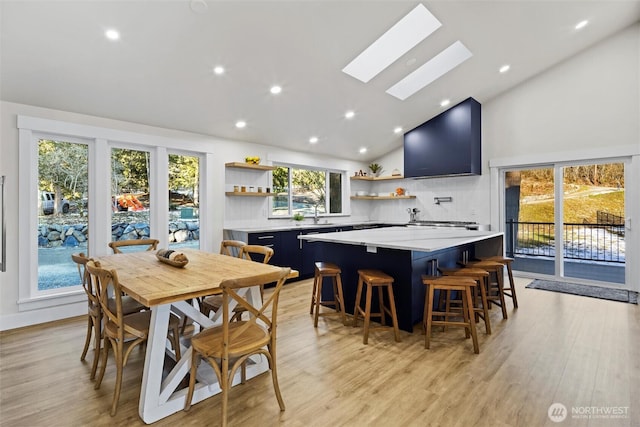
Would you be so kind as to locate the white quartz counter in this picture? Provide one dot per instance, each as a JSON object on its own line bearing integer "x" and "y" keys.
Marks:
{"x": 301, "y": 226}
{"x": 425, "y": 239}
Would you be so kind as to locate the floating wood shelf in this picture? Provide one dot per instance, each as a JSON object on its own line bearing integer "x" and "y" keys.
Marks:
{"x": 249, "y": 166}
{"x": 247, "y": 194}
{"x": 377, "y": 178}
{"x": 381, "y": 197}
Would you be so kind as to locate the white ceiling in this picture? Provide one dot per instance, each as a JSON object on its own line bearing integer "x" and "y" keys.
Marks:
{"x": 54, "y": 54}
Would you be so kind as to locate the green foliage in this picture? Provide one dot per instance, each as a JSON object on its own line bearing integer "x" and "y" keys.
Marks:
{"x": 62, "y": 168}
{"x": 297, "y": 216}
{"x": 306, "y": 181}
{"x": 375, "y": 167}
{"x": 184, "y": 174}
{"x": 280, "y": 179}
{"x": 129, "y": 171}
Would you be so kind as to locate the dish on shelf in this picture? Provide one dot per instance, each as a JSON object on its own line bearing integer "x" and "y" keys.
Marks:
{"x": 361, "y": 193}
{"x": 373, "y": 194}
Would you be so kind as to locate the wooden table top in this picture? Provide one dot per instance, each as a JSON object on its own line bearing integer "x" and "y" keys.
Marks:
{"x": 152, "y": 282}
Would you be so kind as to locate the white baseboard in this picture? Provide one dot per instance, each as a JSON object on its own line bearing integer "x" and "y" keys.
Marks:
{"x": 43, "y": 315}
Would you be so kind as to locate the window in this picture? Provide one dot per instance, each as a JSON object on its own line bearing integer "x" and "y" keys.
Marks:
{"x": 184, "y": 201}
{"x": 71, "y": 200}
{"x": 62, "y": 213}
{"x": 304, "y": 191}
{"x": 130, "y": 195}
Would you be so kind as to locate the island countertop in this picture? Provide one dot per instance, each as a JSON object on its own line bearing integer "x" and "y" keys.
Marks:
{"x": 424, "y": 239}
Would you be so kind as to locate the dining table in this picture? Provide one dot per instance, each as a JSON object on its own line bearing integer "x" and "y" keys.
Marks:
{"x": 168, "y": 289}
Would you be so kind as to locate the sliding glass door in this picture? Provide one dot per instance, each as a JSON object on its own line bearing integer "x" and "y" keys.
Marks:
{"x": 593, "y": 222}
{"x": 530, "y": 225}
{"x": 567, "y": 220}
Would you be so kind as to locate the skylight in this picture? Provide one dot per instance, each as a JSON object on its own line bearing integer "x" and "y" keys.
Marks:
{"x": 440, "y": 64}
{"x": 398, "y": 40}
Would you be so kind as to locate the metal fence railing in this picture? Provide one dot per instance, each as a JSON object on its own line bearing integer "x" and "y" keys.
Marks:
{"x": 589, "y": 242}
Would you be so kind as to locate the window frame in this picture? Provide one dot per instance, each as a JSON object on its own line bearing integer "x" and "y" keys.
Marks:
{"x": 327, "y": 189}
{"x": 100, "y": 141}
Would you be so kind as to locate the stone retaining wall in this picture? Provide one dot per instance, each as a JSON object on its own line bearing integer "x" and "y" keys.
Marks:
{"x": 72, "y": 235}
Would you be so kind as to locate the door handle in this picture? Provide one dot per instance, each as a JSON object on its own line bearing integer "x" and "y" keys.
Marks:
{"x": 3, "y": 243}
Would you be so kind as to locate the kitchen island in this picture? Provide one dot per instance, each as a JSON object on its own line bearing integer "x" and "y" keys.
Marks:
{"x": 406, "y": 253}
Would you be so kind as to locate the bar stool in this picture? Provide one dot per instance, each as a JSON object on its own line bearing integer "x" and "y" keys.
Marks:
{"x": 495, "y": 291}
{"x": 506, "y": 261}
{"x": 380, "y": 280}
{"x": 481, "y": 308}
{"x": 322, "y": 270}
{"x": 447, "y": 284}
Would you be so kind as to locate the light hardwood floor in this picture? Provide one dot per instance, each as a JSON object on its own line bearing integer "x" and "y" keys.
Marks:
{"x": 577, "y": 351}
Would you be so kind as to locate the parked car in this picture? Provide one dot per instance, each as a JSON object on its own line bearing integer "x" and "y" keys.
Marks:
{"x": 48, "y": 203}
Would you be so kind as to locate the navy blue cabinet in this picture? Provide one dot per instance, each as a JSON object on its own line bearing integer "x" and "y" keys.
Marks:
{"x": 289, "y": 251}
{"x": 448, "y": 144}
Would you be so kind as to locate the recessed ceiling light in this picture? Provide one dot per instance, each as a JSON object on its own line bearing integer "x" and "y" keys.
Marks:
{"x": 241, "y": 124}
{"x": 445, "y": 102}
{"x": 504, "y": 68}
{"x": 313, "y": 139}
{"x": 218, "y": 69}
{"x": 198, "y": 6}
{"x": 581, "y": 24}
{"x": 275, "y": 90}
{"x": 363, "y": 150}
{"x": 397, "y": 129}
{"x": 112, "y": 34}
{"x": 437, "y": 66}
{"x": 398, "y": 40}
{"x": 349, "y": 114}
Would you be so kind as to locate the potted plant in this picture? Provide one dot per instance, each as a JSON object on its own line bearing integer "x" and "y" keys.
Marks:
{"x": 376, "y": 169}
{"x": 298, "y": 217}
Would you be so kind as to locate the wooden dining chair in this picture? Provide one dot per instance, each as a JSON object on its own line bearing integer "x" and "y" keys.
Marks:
{"x": 94, "y": 314}
{"x": 121, "y": 332}
{"x": 235, "y": 342}
{"x": 231, "y": 247}
{"x": 151, "y": 244}
{"x": 255, "y": 253}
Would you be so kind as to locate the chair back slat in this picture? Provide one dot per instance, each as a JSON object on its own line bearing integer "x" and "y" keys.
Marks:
{"x": 229, "y": 293}
{"x": 106, "y": 284}
{"x": 232, "y": 247}
{"x": 254, "y": 252}
{"x": 151, "y": 244}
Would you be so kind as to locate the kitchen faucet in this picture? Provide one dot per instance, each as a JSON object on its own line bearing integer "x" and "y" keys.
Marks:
{"x": 315, "y": 215}
{"x": 412, "y": 214}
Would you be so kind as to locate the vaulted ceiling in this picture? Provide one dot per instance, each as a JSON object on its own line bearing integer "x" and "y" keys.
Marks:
{"x": 159, "y": 72}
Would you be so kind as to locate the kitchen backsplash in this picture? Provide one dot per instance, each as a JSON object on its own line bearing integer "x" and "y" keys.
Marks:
{"x": 470, "y": 201}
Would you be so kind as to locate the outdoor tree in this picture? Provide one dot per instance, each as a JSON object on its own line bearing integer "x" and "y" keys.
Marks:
{"x": 183, "y": 174}
{"x": 62, "y": 168}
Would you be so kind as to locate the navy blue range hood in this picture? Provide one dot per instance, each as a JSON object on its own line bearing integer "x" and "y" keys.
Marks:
{"x": 448, "y": 144}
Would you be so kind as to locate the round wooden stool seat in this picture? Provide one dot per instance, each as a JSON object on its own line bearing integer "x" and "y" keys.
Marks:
{"x": 495, "y": 290}
{"x": 506, "y": 261}
{"x": 322, "y": 270}
{"x": 450, "y": 283}
{"x": 380, "y": 280}
{"x": 481, "y": 308}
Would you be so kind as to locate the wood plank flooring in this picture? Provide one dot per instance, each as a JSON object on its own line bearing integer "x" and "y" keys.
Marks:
{"x": 578, "y": 351}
